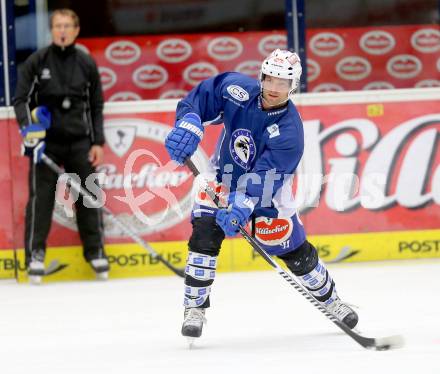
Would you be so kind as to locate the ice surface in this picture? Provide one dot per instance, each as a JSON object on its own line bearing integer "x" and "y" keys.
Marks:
{"x": 257, "y": 324}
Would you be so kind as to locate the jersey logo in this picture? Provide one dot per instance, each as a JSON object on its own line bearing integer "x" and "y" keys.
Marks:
{"x": 45, "y": 74}
{"x": 273, "y": 131}
{"x": 273, "y": 231}
{"x": 242, "y": 147}
{"x": 238, "y": 93}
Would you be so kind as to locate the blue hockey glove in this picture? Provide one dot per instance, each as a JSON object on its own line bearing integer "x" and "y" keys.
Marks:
{"x": 183, "y": 140}
{"x": 41, "y": 115}
{"x": 236, "y": 215}
{"x": 33, "y": 135}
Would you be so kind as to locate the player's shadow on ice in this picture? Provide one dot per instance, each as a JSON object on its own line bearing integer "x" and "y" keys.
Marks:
{"x": 290, "y": 342}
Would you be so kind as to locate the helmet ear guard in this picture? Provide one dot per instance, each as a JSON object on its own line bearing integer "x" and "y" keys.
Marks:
{"x": 283, "y": 64}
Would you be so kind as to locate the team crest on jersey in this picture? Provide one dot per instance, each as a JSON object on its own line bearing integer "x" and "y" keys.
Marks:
{"x": 242, "y": 147}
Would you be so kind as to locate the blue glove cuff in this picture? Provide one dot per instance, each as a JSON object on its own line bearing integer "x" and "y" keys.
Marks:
{"x": 33, "y": 127}
{"x": 192, "y": 123}
{"x": 193, "y": 118}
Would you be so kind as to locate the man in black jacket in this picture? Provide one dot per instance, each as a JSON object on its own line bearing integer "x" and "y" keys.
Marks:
{"x": 66, "y": 81}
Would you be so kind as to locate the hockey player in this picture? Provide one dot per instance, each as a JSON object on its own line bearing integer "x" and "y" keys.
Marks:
{"x": 263, "y": 132}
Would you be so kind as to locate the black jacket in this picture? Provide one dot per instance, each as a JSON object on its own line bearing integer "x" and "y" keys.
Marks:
{"x": 50, "y": 75}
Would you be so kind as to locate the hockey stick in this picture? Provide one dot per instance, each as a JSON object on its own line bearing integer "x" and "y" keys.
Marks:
{"x": 78, "y": 188}
{"x": 379, "y": 344}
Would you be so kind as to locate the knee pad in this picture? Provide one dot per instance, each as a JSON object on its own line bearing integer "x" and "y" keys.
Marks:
{"x": 311, "y": 271}
{"x": 302, "y": 260}
{"x": 207, "y": 236}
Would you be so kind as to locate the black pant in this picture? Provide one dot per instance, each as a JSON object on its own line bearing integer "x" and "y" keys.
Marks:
{"x": 42, "y": 186}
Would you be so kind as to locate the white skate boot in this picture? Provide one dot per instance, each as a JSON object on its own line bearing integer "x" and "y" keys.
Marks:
{"x": 193, "y": 323}
{"x": 343, "y": 312}
{"x": 36, "y": 269}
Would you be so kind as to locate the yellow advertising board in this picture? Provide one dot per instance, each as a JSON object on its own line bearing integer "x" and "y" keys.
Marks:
{"x": 131, "y": 260}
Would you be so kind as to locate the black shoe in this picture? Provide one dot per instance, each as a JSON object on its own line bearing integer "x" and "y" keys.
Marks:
{"x": 36, "y": 269}
{"x": 99, "y": 262}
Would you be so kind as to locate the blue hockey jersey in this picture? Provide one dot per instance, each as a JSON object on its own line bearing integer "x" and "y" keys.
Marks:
{"x": 255, "y": 143}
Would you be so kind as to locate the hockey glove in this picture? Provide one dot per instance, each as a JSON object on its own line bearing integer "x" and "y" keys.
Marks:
{"x": 183, "y": 140}
{"x": 236, "y": 215}
{"x": 33, "y": 135}
{"x": 41, "y": 115}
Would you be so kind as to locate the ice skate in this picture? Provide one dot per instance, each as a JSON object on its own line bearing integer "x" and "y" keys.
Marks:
{"x": 343, "y": 312}
{"x": 193, "y": 324}
{"x": 36, "y": 269}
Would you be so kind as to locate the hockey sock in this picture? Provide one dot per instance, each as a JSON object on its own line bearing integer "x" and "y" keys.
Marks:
{"x": 305, "y": 263}
{"x": 199, "y": 275}
{"x": 320, "y": 284}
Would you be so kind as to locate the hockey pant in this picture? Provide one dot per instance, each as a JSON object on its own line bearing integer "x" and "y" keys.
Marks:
{"x": 42, "y": 187}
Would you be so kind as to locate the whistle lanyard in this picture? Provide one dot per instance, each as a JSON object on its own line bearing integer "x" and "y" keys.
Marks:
{"x": 66, "y": 103}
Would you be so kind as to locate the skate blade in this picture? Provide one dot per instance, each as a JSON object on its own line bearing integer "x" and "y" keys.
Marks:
{"x": 190, "y": 341}
{"x": 35, "y": 279}
{"x": 102, "y": 276}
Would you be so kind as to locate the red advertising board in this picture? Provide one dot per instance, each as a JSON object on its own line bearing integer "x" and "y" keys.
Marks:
{"x": 371, "y": 167}
{"x": 6, "y": 185}
{"x": 366, "y": 58}
{"x": 166, "y": 67}
{"x": 368, "y": 167}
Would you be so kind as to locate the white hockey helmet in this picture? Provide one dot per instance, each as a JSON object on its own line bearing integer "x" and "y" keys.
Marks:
{"x": 282, "y": 64}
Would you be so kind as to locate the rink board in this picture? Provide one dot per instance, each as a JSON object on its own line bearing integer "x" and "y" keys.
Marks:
{"x": 349, "y": 134}
{"x": 131, "y": 260}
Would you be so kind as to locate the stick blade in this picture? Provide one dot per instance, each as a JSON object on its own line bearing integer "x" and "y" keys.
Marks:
{"x": 389, "y": 342}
